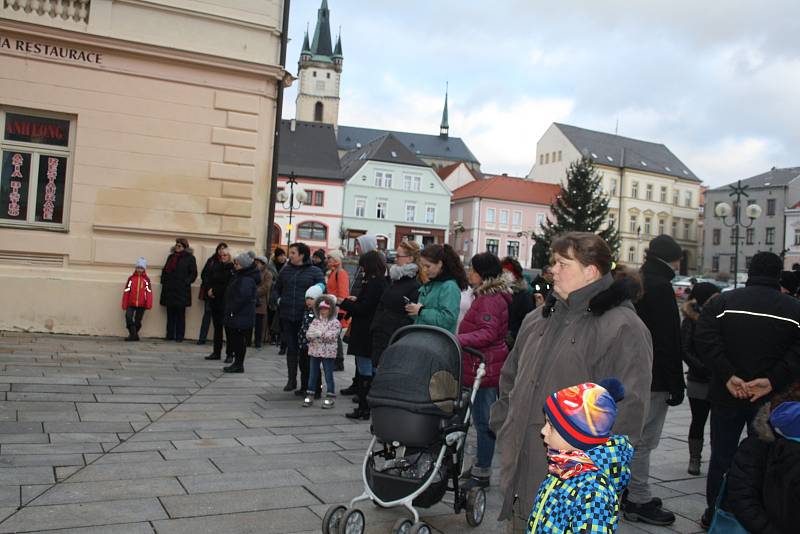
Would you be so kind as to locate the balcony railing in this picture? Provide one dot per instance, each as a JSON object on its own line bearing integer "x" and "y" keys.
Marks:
{"x": 69, "y": 14}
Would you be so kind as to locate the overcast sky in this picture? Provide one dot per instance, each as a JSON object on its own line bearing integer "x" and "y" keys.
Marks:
{"x": 715, "y": 81}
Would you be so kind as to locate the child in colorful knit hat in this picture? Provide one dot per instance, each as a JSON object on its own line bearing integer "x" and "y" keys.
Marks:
{"x": 588, "y": 467}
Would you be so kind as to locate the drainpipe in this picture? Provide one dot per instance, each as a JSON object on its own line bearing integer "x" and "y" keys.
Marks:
{"x": 273, "y": 190}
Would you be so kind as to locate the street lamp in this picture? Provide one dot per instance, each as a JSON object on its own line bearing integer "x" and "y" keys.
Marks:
{"x": 288, "y": 200}
{"x": 723, "y": 210}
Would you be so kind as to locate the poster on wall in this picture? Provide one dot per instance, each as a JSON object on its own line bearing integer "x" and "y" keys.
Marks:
{"x": 50, "y": 189}
{"x": 40, "y": 130}
{"x": 14, "y": 180}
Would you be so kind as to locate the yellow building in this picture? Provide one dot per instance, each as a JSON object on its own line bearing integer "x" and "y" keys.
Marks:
{"x": 126, "y": 124}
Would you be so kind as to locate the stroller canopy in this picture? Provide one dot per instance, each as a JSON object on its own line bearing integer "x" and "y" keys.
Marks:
{"x": 420, "y": 372}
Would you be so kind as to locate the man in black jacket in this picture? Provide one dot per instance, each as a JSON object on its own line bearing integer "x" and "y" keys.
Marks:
{"x": 658, "y": 310}
{"x": 750, "y": 339}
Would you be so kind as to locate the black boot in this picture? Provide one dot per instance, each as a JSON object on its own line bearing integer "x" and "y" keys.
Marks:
{"x": 362, "y": 411}
{"x": 303, "y": 362}
{"x": 132, "y": 335}
{"x": 237, "y": 366}
{"x": 228, "y": 358}
{"x": 213, "y": 356}
{"x": 291, "y": 371}
{"x": 353, "y": 389}
{"x": 695, "y": 455}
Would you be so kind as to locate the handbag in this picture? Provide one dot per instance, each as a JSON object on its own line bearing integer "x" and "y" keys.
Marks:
{"x": 725, "y": 522}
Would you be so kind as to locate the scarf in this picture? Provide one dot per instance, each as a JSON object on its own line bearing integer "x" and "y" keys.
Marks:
{"x": 396, "y": 272}
{"x": 567, "y": 464}
{"x": 172, "y": 262}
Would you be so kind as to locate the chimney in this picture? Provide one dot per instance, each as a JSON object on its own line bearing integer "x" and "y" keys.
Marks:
{"x": 293, "y": 125}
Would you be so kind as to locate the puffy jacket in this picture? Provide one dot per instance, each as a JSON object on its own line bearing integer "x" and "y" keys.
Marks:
{"x": 323, "y": 334}
{"x": 485, "y": 328}
{"x": 441, "y": 298}
{"x": 391, "y": 315}
{"x": 751, "y": 332}
{"x": 588, "y": 502}
{"x": 763, "y": 480}
{"x": 176, "y": 286}
{"x": 308, "y": 318}
{"x": 137, "y": 293}
{"x": 290, "y": 289}
{"x": 362, "y": 312}
{"x": 217, "y": 280}
{"x": 698, "y": 372}
{"x": 659, "y": 311}
{"x": 240, "y": 298}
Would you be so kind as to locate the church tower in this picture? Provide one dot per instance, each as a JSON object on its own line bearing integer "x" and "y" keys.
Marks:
{"x": 320, "y": 72}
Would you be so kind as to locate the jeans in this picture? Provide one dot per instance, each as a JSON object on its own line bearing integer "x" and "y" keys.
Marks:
{"x": 206, "y": 322}
{"x": 364, "y": 366}
{"x": 289, "y": 331}
{"x": 176, "y": 322}
{"x": 726, "y": 430}
{"x": 313, "y": 375}
{"x": 639, "y": 487}
{"x": 133, "y": 317}
{"x": 217, "y": 317}
{"x": 480, "y": 418}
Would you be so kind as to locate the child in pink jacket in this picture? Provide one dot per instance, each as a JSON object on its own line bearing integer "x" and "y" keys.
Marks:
{"x": 323, "y": 341}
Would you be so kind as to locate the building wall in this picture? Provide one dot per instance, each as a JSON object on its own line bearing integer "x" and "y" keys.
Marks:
{"x": 460, "y": 176}
{"x": 329, "y": 214}
{"x": 792, "y": 238}
{"x": 166, "y": 140}
{"x": 554, "y": 153}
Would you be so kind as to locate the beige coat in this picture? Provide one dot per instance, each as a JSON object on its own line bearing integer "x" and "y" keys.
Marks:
{"x": 595, "y": 334}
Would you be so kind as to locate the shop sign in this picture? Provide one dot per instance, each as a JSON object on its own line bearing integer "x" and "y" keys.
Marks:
{"x": 40, "y": 130}
{"x": 14, "y": 185}
{"x": 49, "y": 50}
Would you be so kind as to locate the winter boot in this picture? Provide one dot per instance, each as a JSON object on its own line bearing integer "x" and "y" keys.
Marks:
{"x": 695, "y": 456}
{"x": 237, "y": 366}
{"x": 352, "y": 390}
{"x": 132, "y": 335}
{"x": 362, "y": 411}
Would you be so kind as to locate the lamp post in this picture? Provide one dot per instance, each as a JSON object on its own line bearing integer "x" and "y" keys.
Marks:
{"x": 723, "y": 210}
{"x": 288, "y": 200}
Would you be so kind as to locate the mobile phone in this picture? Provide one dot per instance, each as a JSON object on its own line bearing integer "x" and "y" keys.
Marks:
{"x": 406, "y": 300}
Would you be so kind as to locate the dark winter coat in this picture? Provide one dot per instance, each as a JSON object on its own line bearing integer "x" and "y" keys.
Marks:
{"x": 308, "y": 318}
{"x": 362, "y": 312}
{"x": 205, "y": 274}
{"x": 592, "y": 335}
{"x": 218, "y": 278}
{"x": 240, "y": 298}
{"x": 485, "y": 328}
{"x": 390, "y": 315}
{"x": 290, "y": 289}
{"x": 763, "y": 481}
{"x": 176, "y": 286}
{"x": 698, "y": 372}
{"x": 751, "y": 332}
{"x": 659, "y": 311}
{"x": 521, "y": 305}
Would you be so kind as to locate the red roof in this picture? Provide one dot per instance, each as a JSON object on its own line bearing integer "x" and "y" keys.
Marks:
{"x": 510, "y": 189}
{"x": 445, "y": 171}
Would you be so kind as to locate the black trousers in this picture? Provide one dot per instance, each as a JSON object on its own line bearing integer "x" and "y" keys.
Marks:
{"x": 258, "y": 332}
{"x": 176, "y": 322}
{"x": 217, "y": 317}
{"x": 289, "y": 332}
{"x": 133, "y": 317}
{"x": 700, "y": 410}
{"x": 727, "y": 424}
{"x": 237, "y": 344}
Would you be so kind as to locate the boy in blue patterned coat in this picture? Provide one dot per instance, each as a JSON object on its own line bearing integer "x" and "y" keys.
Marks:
{"x": 588, "y": 467}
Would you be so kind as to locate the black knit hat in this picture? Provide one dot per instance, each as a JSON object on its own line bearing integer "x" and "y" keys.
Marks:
{"x": 766, "y": 264}
{"x": 790, "y": 281}
{"x": 702, "y": 291}
{"x": 486, "y": 264}
{"x": 665, "y": 248}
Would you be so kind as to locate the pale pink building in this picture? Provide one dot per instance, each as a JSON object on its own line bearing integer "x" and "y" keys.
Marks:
{"x": 500, "y": 214}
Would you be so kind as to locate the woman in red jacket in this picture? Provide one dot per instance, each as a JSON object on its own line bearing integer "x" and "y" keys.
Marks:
{"x": 136, "y": 298}
{"x": 484, "y": 328}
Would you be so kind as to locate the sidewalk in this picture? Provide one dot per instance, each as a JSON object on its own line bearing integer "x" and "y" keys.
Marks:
{"x": 99, "y": 436}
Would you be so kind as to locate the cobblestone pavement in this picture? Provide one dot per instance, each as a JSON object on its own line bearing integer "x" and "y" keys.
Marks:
{"x": 102, "y": 436}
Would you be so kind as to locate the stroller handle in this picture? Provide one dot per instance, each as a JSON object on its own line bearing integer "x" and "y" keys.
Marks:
{"x": 478, "y": 354}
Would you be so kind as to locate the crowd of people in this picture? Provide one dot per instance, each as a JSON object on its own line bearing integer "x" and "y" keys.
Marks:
{"x": 599, "y": 347}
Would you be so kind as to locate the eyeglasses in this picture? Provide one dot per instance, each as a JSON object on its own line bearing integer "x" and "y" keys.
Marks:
{"x": 402, "y": 256}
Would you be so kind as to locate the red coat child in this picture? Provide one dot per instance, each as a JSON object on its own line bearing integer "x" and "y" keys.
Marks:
{"x": 138, "y": 292}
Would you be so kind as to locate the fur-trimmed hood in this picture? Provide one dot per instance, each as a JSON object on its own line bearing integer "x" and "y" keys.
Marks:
{"x": 691, "y": 310}
{"x": 761, "y": 424}
{"x": 331, "y": 300}
{"x": 493, "y": 286}
{"x": 617, "y": 294}
{"x": 187, "y": 250}
{"x": 516, "y": 285}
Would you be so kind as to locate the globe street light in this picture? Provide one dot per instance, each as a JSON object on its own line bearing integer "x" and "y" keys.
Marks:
{"x": 723, "y": 211}
{"x": 288, "y": 201}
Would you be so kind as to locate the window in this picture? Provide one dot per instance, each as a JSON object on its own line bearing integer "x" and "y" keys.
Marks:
{"x": 411, "y": 183}
{"x": 503, "y": 217}
{"x": 516, "y": 219}
{"x": 674, "y": 229}
{"x": 612, "y": 220}
{"x": 328, "y": 75}
{"x": 747, "y": 261}
{"x": 312, "y": 231}
{"x": 750, "y": 235}
{"x": 715, "y": 264}
{"x": 635, "y": 189}
{"x": 380, "y": 209}
{"x": 540, "y": 219}
{"x": 733, "y": 263}
{"x": 662, "y": 226}
{"x": 797, "y": 237}
{"x": 513, "y": 249}
{"x": 733, "y": 235}
{"x": 647, "y": 225}
{"x": 547, "y": 158}
{"x": 490, "y": 215}
{"x": 318, "y": 108}
{"x": 771, "y": 206}
{"x": 648, "y": 192}
{"x": 407, "y": 183}
{"x": 492, "y": 246}
{"x": 411, "y": 212}
{"x": 687, "y": 230}
{"x": 718, "y": 236}
{"x": 613, "y": 187}
{"x": 633, "y": 224}
{"x": 688, "y": 199}
{"x": 770, "y": 237}
{"x": 631, "y": 255}
{"x": 430, "y": 214}
{"x": 314, "y": 74}
{"x": 559, "y": 155}
{"x": 663, "y": 194}
{"x": 383, "y": 179}
{"x": 675, "y": 196}
{"x": 33, "y": 182}
{"x": 319, "y": 198}
{"x": 361, "y": 207}
{"x": 541, "y": 159}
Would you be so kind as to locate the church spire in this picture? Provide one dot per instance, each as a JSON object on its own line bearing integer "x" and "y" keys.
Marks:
{"x": 337, "y": 51}
{"x": 444, "y": 128}
{"x": 321, "y": 45}
{"x": 306, "y": 46}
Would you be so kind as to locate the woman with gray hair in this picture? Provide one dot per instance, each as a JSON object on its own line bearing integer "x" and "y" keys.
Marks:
{"x": 240, "y": 308}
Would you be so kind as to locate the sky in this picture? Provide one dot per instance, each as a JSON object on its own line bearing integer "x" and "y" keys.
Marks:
{"x": 715, "y": 81}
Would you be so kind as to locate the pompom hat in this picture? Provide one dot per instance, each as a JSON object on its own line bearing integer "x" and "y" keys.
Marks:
{"x": 584, "y": 414}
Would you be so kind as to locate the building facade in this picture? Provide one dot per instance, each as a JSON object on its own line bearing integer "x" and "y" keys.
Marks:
{"x": 393, "y": 195}
{"x": 777, "y": 192}
{"x": 121, "y": 131}
{"x": 458, "y": 174}
{"x": 500, "y": 214}
{"x": 651, "y": 191}
{"x": 791, "y": 242}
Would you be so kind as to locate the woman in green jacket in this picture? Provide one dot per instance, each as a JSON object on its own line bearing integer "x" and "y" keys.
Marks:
{"x": 440, "y": 295}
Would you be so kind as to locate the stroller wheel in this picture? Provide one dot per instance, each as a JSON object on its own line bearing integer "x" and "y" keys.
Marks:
{"x": 476, "y": 506}
{"x": 420, "y": 528}
{"x": 402, "y": 526}
{"x": 353, "y": 522}
{"x": 333, "y": 517}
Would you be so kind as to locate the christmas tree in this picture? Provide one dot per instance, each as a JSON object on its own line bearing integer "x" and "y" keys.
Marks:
{"x": 582, "y": 206}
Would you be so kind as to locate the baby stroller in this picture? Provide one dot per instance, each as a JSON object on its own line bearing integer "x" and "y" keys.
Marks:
{"x": 420, "y": 421}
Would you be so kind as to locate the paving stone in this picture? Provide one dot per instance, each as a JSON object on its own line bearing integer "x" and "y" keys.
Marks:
{"x": 22, "y": 460}
{"x": 150, "y": 399}
{"x": 269, "y": 440}
{"x": 84, "y": 426}
{"x": 241, "y": 481}
{"x": 331, "y": 472}
{"x": 214, "y": 452}
{"x": 137, "y": 446}
{"x": 63, "y": 473}
{"x": 33, "y": 518}
{"x": 30, "y": 492}
{"x": 234, "y": 433}
{"x": 124, "y": 457}
{"x": 126, "y": 528}
{"x": 58, "y": 388}
{"x": 267, "y": 522}
{"x": 27, "y": 475}
{"x": 52, "y": 448}
{"x": 277, "y": 461}
{"x": 31, "y": 415}
{"x": 20, "y": 428}
{"x": 9, "y": 496}
{"x": 76, "y": 492}
{"x": 63, "y": 397}
{"x": 149, "y": 435}
{"x": 295, "y": 448}
{"x": 24, "y": 438}
{"x": 83, "y": 437}
{"x": 207, "y": 443}
{"x": 237, "y": 501}
{"x": 123, "y": 471}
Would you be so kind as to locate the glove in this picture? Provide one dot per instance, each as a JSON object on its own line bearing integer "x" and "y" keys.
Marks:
{"x": 675, "y": 398}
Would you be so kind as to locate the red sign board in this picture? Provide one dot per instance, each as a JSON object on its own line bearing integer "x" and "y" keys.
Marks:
{"x": 40, "y": 130}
